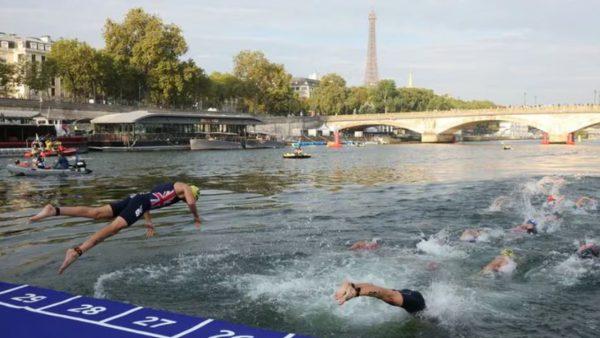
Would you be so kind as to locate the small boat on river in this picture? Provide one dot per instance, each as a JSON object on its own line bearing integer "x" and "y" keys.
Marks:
{"x": 296, "y": 156}
{"x": 24, "y": 169}
{"x": 46, "y": 153}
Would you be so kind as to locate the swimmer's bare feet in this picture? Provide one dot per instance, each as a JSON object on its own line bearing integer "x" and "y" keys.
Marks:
{"x": 345, "y": 293}
{"x": 47, "y": 211}
{"x": 70, "y": 257}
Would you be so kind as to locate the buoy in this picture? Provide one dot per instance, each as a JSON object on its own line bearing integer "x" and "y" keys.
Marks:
{"x": 336, "y": 140}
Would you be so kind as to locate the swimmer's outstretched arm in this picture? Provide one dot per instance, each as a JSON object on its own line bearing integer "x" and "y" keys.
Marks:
{"x": 149, "y": 226}
{"x": 582, "y": 200}
{"x": 349, "y": 290}
{"x": 191, "y": 202}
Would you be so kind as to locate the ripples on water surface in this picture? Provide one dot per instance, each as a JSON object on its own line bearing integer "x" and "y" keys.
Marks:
{"x": 273, "y": 247}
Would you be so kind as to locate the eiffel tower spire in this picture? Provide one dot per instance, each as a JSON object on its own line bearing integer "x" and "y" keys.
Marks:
{"x": 371, "y": 73}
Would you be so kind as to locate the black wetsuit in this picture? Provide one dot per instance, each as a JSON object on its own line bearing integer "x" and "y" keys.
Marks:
{"x": 133, "y": 207}
{"x": 413, "y": 301}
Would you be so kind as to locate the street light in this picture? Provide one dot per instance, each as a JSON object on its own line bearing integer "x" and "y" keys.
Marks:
{"x": 595, "y": 96}
{"x": 524, "y": 99}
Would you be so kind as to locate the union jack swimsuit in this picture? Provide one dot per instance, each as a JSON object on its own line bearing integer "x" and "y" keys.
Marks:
{"x": 163, "y": 195}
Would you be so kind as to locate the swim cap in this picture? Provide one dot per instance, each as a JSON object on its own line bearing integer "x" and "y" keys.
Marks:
{"x": 551, "y": 198}
{"x": 508, "y": 253}
{"x": 195, "y": 191}
{"x": 532, "y": 222}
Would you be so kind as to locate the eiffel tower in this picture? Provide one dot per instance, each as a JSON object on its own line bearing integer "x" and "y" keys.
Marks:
{"x": 371, "y": 74}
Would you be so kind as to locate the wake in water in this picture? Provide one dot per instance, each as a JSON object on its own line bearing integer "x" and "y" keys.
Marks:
{"x": 438, "y": 245}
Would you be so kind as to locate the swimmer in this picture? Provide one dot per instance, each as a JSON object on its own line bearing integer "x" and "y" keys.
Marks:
{"x": 124, "y": 213}
{"x": 501, "y": 264}
{"x": 529, "y": 227}
{"x": 409, "y": 300}
{"x": 471, "y": 235}
{"x": 588, "y": 250}
{"x": 366, "y": 245}
{"x": 584, "y": 200}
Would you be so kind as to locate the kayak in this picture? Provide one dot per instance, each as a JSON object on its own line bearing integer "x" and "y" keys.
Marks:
{"x": 65, "y": 152}
{"x": 292, "y": 155}
{"x": 20, "y": 170}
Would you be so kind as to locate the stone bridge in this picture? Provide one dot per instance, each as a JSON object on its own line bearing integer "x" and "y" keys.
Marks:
{"x": 558, "y": 122}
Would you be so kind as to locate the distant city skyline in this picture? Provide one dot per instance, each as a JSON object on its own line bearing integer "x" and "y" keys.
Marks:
{"x": 503, "y": 51}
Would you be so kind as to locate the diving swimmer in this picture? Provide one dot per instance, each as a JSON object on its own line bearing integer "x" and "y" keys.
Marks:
{"x": 125, "y": 213}
{"x": 588, "y": 250}
{"x": 409, "y": 300}
{"x": 504, "y": 263}
{"x": 529, "y": 227}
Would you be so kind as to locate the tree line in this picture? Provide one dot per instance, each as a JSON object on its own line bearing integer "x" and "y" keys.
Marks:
{"x": 141, "y": 63}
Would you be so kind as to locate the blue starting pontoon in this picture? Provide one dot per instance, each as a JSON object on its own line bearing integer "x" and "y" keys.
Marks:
{"x": 32, "y": 312}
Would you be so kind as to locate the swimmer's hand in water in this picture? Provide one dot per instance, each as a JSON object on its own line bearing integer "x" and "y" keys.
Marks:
{"x": 197, "y": 222}
{"x": 345, "y": 293}
{"x": 150, "y": 232}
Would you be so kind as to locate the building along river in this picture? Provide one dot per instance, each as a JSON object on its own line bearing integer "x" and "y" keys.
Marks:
{"x": 275, "y": 236}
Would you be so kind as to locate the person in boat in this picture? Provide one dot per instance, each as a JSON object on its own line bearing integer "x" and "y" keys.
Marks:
{"x": 472, "y": 235}
{"x": 504, "y": 263}
{"x": 298, "y": 151}
{"x": 38, "y": 161}
{"x": 410, "y": 300}
{"x": 588, "y": 250}
{"x": 366, "y": 245}
{"x": 529, "y": 227}
{"x": 61, "y": 162}
{"x": 124, "y": 213}
{"x": 48, "y": 144}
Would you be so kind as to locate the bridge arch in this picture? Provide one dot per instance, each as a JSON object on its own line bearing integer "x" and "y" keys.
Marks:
{"x": 340, "y": 126}
{"x": 585, "y": 124}
{"x": 451, "y": 126}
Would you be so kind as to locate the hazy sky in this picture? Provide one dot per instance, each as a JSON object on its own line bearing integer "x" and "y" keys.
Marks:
{"x": 472, "y": 49}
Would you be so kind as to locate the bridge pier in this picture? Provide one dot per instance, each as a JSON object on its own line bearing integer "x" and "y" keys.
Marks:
{"x": 437, "y": 138}
{"x": 560, "y": 138}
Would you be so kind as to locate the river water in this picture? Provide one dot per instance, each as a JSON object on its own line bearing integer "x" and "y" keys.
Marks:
{"x": 275, "y": 236}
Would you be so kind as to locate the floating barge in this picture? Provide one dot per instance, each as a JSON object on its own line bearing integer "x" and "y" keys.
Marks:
{"x": 32, "y": 312}
{"x": 145, "y": 130}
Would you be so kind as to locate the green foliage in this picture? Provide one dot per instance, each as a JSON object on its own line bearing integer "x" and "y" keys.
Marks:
{"x": 265, "y": 86}
{"x": 7, "y": 78}
{"x": 84, "y": 71}
{"x": 330, "y": 96}
{"x": 385, "y": 97}
{"x": 37, "y": 75}
{"x": 146, "y": 53}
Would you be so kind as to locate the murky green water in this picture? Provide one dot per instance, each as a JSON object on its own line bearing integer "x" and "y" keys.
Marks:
{"x": 275, "y": 237}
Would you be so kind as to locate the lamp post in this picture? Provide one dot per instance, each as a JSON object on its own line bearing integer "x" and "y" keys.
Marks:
{"x": 595, "y": 96}
{"x": 524, "y": 99}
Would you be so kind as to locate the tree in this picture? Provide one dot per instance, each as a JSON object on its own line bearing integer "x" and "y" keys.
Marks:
{"x": 385, "y": 96}
{"x": 224, "y": 90}
{"x": 85, "y": 72}
{"x": 330, "y": 96}
{"x": 7, "y": 78}
{"x": 357, "y": 98}
{"x": 177, "y": 83}
{"x": 266, "y": 85}
{"x": 150, "y": 47}
{"x": 37, "y": 75}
